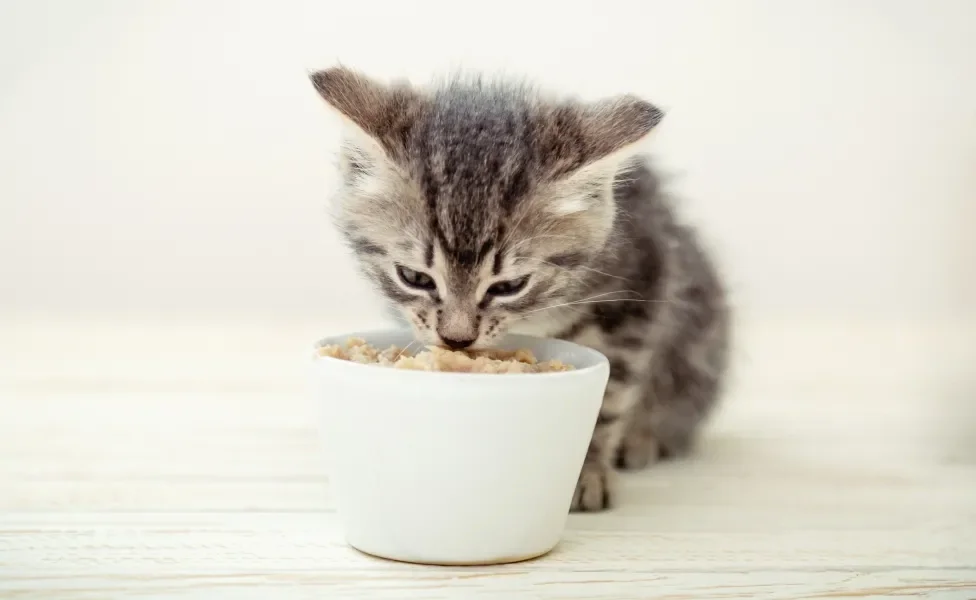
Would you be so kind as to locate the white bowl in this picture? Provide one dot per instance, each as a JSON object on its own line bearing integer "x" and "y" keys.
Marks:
{"x": 457, "y": 468}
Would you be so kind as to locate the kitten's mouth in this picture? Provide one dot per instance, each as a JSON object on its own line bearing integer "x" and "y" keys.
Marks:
{"x": 458, "y": 344}
{"x": 480, "y": 343}
{"x": 426, "y": 335}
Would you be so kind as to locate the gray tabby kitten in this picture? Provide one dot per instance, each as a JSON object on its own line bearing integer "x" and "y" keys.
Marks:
{"x": 484, "y": 207}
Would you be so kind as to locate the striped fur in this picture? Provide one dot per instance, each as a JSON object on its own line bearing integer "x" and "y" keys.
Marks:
{"x": 454, "y": 194}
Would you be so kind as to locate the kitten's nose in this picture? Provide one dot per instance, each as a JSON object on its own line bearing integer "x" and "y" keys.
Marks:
{"x": 457, "y": 344}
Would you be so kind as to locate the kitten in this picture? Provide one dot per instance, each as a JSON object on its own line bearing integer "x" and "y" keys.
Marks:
{"x": 484, "y": 207}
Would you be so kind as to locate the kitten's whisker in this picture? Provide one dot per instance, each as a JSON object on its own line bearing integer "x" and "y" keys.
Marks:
{"x": 593, "y": 300}
{"x": 404, "y": 350}
{"x": 564, "y": 270}
{"x": 568, "y": 304}
{"x": 513, "y": 228}
{"x": 583, "y": 267}
{"x": 599, "y": 272}
{"x": 546, "y": 237}
{"x": 603, "y": 295}
{"x": 609, "y": 293}
{"x": 619, "y": 300}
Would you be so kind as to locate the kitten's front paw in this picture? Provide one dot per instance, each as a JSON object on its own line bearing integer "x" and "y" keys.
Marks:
{"x": 637, "y": 450}
{"x": 592, "y": 489}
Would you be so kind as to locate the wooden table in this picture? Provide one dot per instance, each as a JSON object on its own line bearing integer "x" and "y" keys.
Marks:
{"x": 181, "y": 460}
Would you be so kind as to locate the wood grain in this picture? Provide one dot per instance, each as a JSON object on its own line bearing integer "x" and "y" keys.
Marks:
{"x": 857, "y": 483}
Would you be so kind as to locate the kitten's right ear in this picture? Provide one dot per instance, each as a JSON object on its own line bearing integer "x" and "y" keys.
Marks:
{"x": 383, "y": 112}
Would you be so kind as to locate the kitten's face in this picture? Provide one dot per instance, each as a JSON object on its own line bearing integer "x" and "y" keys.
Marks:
{"x": 475, "y": 206}
{"x": 462, "y": 301}
{"x": 461, "y": 269}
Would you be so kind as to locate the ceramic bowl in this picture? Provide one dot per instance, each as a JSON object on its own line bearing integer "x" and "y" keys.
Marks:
{"x": 457, "y": 468}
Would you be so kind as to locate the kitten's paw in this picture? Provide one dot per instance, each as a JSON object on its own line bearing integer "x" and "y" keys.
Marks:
{"x": 592, "y": 489}
{"x": 637, "y": 450}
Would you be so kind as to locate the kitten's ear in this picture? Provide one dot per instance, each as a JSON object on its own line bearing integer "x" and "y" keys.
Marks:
{"x": 383, "y": 112}
{"x": 579, "y": 136}
{"x": 614, "y": 124}
{"x": 586, "y": 146}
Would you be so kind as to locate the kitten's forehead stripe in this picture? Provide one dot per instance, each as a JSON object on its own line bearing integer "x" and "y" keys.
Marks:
{"x": 496, "y": 267}
{"x": 466, "y": 257}
{"x": 517, "y": 188}
{"x": 484, "y": 250}
{"x": 474, "y": 159}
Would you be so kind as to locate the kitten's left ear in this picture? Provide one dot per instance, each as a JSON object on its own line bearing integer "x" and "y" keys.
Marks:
{"x": 614, "y": 124}
{"x": 579, "y": 136}
{"x": 383, "y": 112}
{"x": 586, "y": 145}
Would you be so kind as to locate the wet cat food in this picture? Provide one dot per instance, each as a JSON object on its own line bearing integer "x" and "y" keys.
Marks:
{"x": 434, "y": 358}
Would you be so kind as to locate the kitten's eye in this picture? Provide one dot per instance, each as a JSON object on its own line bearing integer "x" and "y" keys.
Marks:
{"x": 508, "y": 288}
{"x": 415, "y": 279}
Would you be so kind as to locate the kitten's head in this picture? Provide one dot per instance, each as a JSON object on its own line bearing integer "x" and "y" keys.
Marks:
{"x": 472, "y": 204}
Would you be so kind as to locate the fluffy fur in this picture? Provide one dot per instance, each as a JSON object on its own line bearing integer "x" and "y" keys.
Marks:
{"x": 479, "y": 207}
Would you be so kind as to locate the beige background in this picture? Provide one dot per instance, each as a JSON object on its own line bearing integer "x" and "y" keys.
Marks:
{"x": 171, "y": 158}
{"x": 165, "y": 263}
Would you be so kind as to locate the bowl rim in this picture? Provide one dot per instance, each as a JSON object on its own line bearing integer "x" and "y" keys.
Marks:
{"x": 599, "y": 360}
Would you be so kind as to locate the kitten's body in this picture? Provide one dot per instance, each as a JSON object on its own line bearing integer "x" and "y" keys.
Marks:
{"x": 667, "y": 350}
{"x": 478, "y": 208}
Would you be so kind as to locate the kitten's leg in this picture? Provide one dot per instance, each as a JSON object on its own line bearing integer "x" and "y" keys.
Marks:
{"x": 593, "y": 487}
{"x": 657, "y": 431}
{"x": 638, "y": 447}
{"x": 685, "y": 387}
{"x": 594, "y": 490}
{"x": 685, "y": 382}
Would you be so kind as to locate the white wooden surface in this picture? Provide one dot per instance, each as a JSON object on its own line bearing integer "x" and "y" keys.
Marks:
{"x": 182, "y": 461}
